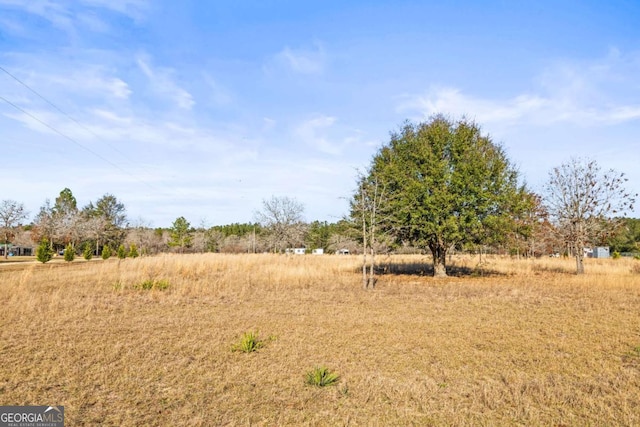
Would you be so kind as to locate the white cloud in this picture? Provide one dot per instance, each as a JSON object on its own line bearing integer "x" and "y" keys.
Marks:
{"x": 303, "y": 61}
{"x": 162, "y": 82}
{"x": 582, "y": 94}
{"x": 218, "y": 94}
{"x": 64, "y": 80}
{"x": 132, "y": 8}
{"x": 73, "y": 17}
{"x": 312, "y": 132}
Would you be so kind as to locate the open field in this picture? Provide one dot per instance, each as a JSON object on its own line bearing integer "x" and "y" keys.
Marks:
{"x": 512, "y": 343}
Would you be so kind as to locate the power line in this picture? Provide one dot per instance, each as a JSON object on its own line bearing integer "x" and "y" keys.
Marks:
{"x": 61, "y": 111}
{"x": 77, "y": 123}
{"x": 73, "y": 140}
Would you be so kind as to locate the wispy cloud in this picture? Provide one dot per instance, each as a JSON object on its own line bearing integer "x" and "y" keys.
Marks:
{"x": 135, "y": 9}
{"x": 162, "y": 82}
{"x": 68, "y": 15}
{"x": 218, "y": 94}
{"x": 567, "y": 92}
{"x": 302, "y": 61}
{"x": 312, "y": 132}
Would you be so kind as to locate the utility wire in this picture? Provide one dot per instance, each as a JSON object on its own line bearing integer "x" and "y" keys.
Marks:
{"x": 58, "y": 109}
{"x": 73, "y": 120}
{"x": 72, "y": 140}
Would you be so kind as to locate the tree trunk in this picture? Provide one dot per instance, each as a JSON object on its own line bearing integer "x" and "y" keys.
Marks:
{"x": 580, "y": 262}
{"x": 371, "y": 282}
{"x": 6, "y": 249}
{"x": 439, "y": 253}
{"x": 365, "y": 281}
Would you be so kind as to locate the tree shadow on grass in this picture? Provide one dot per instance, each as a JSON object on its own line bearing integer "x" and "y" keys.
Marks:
{"x": 426, "y": 269}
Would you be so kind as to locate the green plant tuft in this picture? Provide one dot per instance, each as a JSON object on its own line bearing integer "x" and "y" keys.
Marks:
{"x": 149, "y": 284}
{"x": 320, "y": 376}
{"x": 615, "y": 255}
{"x": 249, "y": 342}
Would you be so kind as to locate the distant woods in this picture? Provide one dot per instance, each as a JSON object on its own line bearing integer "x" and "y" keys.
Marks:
{"x": 436, "y": 187}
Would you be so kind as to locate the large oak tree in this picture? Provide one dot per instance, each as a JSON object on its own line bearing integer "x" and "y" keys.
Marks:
{"x": 445, "y": 184}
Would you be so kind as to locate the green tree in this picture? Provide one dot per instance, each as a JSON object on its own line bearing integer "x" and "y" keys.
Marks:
{"x": 44, "y": 253}
{"x": 133, "y": 251}
{"x": 106, "y": 252}
{"x": 69, "y": 253}
{"x": 444, "y": 183}
{"x": 122, "y": 252}
{"x": 87, "y": 252}
{"x": 65, "y": 219}
{"x": 318, "y": 234}
{"x": 627, "y": 238}
{"x": 180, "y": 234}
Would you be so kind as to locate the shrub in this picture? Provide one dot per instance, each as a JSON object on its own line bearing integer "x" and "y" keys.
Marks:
{"x": 69, "y": 253}
{"x": 122, "y": 253}
{"x": 150, "y": 284}
{"x": 44, "y": 252}
{"x": 87, "y": 252}
{"x": 106, "y": 252}
{"x": 320, "y": 376}
{"x": 248, "y": 343}
{"x": 133, "y": 251}
{"x": 615, "y": 255}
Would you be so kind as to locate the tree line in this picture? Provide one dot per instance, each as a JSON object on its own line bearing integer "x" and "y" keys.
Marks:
{"x": 437, "y": 186}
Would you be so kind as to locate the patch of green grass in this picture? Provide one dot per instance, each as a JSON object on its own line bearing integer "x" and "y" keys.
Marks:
{"x": 635, "y": 351}
{"x": 149, "y": 284}
{"x": 248, "y": 343}
{"x": 320, "y": 376}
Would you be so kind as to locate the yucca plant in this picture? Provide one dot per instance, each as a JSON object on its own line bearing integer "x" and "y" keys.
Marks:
{"x": 320, "y": 376}
{"x": 249, "y": 342}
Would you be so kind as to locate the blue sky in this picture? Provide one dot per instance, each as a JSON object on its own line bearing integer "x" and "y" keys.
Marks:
{"x": 202, "y": 109}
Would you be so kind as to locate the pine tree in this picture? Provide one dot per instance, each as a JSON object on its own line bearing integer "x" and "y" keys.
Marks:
{"x": 133, "y": 251}
{"x": 44, "y": 252}
{"x": 87, "y": 253}
{"x": 69, "y": 253}
{"x": 122, "y": 253}
{"x": 106, "y": 252}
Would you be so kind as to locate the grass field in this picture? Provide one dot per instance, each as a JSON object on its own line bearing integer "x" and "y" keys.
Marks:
{"x": 506, "y": 343}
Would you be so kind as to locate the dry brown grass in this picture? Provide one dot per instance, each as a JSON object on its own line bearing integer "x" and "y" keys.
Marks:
{"x": 505, "y": 343}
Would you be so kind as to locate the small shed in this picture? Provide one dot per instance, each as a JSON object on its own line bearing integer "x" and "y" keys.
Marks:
{"x": 318, "y": 251}
{"x": 296, "y": 251}
{"x": 601, "y": 252}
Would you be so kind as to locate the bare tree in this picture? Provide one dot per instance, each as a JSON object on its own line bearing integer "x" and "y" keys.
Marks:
{"x": 282, "y": 217}
{"x": 11, "y": 213}
{"x": 365, "y": 207}
{"x": 582, "y": 201}
{"x": 113, "y": 214}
